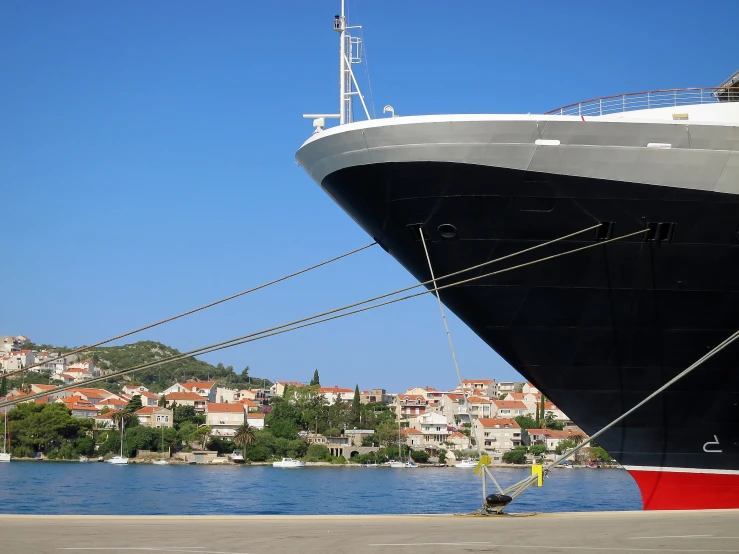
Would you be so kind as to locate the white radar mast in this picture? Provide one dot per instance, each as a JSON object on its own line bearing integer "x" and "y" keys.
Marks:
{"x": 350, "y": 52}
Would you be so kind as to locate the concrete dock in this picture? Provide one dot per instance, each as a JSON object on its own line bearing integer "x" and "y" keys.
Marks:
{"x": 608, "y": 532}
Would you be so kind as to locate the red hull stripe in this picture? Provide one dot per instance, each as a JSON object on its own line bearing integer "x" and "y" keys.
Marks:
{"x": 676, "y": 490}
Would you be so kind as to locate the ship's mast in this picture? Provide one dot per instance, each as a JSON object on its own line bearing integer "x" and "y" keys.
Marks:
{"x": 350, "y": 52}
{"x": 345, "y": 85}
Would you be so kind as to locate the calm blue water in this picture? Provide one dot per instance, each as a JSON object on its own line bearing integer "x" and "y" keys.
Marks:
{"x": 96, "y": 488}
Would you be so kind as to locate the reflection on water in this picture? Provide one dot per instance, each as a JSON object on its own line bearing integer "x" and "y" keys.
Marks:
{"x": 96, "y": 488}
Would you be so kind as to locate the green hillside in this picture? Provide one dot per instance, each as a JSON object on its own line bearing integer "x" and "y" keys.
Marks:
{"x": 114, "y": 358}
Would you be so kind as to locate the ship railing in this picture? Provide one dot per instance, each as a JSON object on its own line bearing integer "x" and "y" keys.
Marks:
{"x": 649, "y": 100}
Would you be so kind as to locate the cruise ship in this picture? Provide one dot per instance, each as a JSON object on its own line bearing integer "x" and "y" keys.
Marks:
{"x": 601, "y": 329}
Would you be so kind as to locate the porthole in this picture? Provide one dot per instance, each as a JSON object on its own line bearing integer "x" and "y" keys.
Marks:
{"x": 447, "y": 231}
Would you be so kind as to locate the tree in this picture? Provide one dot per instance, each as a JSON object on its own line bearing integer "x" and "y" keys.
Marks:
{"x": 577, "y": 439}
{"x": 46, "y": 428}
{"x": 201, "y": 435}
{"x": 538, "y": 449}
{"x": 420, "y": 456}
{"x": 370, "y": 440}
{"x": 540, "y": 413}
{"x": 442, "y": 456}
{"x": 316, "y": 381}
{"x": 244, "y": 436}
{"x": 135, "y": 404}
{"x": 162, "y": 401}
{"x": 3, "y": 387}
{"x": 516, "y": 456}
{"x": 387, "y": 434}
{"x": 356, "y": 407}
{"x": 121, "y": 418}
{"x": 525, "y": 422}
{"x": 598, "y": 453}
{"x": 564, "y": 446}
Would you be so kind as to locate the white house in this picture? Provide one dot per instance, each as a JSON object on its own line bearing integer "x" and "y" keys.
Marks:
{"x": 256, "y": 420}
{"x": 278, "y": 389}
{"x": 9, "y": 344}
{"x": 18, "y": 359}
{"x": 479, "y": 387}
{"x": 433, "y": 426}
{"x": 331, "y": 394}
{"x": 224, "y": 419}
{"x": 132, "y": 390}
{"x": 529, "y": 388}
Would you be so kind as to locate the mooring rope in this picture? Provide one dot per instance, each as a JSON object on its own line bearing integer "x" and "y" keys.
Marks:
{"x": 306, "y": 322}
{"x": 454, "y": 355}
{"x": 190, "y": 312}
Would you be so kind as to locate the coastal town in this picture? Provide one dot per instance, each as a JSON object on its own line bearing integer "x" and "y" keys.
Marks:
{"x": 197, "y": 421}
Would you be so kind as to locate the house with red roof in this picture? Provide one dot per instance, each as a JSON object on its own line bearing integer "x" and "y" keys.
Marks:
{"x": 459, "y": 440}
{"x": 154, "y": 416}
{"x": 104, "y": 421}
{"x": 497, "y": 436}
{"x": 224, "y": 419}
{"x": 186, "y": 399}
{"x": 205, "y": 389}
{"x": 478, "y": 387}
{"x": 509, "y": 408}
{"x": 332, "y": 394}
{"x": 550, "y": 438}
{"x": 413, "y": 438}
{"x": 410, "y": 405}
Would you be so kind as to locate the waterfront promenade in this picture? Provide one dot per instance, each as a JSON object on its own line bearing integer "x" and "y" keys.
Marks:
{"x": 704, "y": 532}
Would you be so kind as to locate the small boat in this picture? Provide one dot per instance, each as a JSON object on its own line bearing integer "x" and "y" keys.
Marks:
{"x": 288, "y": 462}
{"x": 373, "y": 464}
{"x": 237, "y": 457}
{"x": 118, "y": 460}
{"x": 5, "y": 455}
{"x": 467, "y": 464}
{"x": 396, "y": 465}
{"x": 84, "y": 459}
{"x": 160, "y": 462}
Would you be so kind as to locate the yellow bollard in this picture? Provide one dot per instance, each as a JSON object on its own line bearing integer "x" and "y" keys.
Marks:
{"x": 537, "y": 469}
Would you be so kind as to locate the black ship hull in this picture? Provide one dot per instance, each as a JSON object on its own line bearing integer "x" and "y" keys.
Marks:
{"x": 596, "y": 331}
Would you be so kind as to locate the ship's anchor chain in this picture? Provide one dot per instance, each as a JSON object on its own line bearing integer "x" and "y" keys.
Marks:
{"x": 494, "y": 503}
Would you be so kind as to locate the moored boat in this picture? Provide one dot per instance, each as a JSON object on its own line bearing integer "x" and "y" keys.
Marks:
{"x": 655, "y": 172}
{"x": 288, "y": 463}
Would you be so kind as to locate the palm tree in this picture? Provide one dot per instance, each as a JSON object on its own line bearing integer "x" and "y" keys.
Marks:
{"x": 577, "y": 439}
{"x": 245, "y": 435}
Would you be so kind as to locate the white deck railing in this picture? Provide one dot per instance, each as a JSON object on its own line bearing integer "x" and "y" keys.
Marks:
{"x": 650, "y": 100}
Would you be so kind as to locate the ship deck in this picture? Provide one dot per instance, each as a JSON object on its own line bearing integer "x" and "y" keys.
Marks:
{"x": 705, "y": 531}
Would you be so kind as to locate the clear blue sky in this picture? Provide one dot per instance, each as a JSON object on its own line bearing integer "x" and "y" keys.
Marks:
{"x": 147, "y": 159}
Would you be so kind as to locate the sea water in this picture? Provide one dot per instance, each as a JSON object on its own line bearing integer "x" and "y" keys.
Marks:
{"x": 99, "y": 488}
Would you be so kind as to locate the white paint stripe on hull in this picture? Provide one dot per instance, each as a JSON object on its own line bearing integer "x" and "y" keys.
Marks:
{"x": 704, "y": 157}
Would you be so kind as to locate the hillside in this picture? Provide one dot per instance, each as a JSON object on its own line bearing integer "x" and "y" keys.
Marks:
{"x": 114, "y": 358}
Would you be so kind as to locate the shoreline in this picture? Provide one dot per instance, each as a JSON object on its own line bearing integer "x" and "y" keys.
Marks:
{"x": 227, "y": 463}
